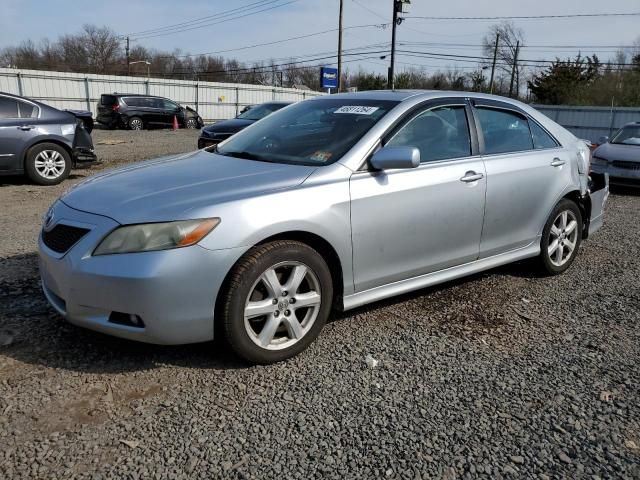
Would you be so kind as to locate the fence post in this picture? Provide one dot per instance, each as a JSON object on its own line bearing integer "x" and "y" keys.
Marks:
{"x": 87, "y": 93}
{"x": 20, "y": 89}
{"x": 273, "y": 93}
{"x": 237, "y": 101}
{"x": 197, "y": 95}
{"x": 613, "y": 121}
{"x": 147, "y": 86}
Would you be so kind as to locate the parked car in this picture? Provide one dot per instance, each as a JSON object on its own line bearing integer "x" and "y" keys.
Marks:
{"x": 137, "y": 112}
{"x": 336, "y": 201}
{"x": 620, "y": 156}
{"x": 214, "y": 134}
{"x": 42, "y": 141}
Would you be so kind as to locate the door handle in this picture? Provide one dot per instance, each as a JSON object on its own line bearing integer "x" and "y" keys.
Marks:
{"x": 557, "y": 162}
{"x": 25, "y": 128}
{"x": 471, "y": 176}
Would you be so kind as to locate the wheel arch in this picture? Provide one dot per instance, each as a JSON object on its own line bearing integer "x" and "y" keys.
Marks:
{"x": 584, "y": 204}
{"x": 313, "y": 240}
{"x": 67, "y": 148}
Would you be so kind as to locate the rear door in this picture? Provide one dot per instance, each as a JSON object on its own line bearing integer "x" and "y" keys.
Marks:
{"x": 17, "y": 126}
{"x": 410, "y": 222}
{"x": 527, "y": 171}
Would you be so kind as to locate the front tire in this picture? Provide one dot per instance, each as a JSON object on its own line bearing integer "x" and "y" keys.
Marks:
{"x": 47, "y": 164}
{"x": 136, "y": 123}
{"x": 561, "y": 238}
{"x": 276, "y": 302}
{"x": 191, "y": 123}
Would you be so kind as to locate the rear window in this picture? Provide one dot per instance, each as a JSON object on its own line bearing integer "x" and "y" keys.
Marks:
{"x": 27, "y": 110}
{"x": 108, "y": 100}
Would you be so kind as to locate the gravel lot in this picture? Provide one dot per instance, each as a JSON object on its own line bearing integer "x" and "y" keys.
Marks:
{"x": 501, "y": 375}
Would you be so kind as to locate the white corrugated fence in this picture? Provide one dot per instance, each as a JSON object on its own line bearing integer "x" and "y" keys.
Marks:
{"x": 78, "y": 91}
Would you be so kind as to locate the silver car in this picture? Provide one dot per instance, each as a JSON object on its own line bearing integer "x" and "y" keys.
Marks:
{"x": 333, "y": 202}
{"x": 620, "y": 156}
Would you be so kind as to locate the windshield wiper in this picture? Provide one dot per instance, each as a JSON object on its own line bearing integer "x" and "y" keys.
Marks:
{"x": 242, "y": 154}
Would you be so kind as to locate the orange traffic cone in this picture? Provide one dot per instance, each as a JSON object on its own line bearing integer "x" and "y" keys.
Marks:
{"x": 175, "y": 123}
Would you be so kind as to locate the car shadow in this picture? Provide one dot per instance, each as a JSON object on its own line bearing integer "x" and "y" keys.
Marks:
{"x": 39, "y": 336}
{"x": 22, "y": 180}
{"x": 625, "y": 190}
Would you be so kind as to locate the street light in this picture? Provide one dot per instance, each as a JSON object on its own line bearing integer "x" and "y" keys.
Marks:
{"x": 142, "y": 61}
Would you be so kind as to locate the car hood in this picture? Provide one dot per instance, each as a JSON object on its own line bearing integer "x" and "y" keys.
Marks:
{"x": 228, "y": 126}
{"x": 179, "y": 187}
{"x": 613, "y": 151}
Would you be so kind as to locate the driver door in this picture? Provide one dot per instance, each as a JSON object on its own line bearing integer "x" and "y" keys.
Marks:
{"x": 411, "y": 222}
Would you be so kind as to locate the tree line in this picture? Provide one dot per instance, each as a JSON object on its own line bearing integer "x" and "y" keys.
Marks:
{"x": 583, "y": 80}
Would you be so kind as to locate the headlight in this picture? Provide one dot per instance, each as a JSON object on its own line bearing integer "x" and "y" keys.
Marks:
{"x": 155, "y": 236}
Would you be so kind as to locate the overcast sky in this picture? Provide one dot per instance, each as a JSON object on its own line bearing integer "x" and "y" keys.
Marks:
{"x": 32, "y": 19}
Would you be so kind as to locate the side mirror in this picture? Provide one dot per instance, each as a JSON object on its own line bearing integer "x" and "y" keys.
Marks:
{"x": 389, "y": 158}
{"x": 603, "y": 139}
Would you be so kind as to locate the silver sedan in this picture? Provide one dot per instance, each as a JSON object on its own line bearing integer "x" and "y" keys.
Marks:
{"x": 330, "y": 203}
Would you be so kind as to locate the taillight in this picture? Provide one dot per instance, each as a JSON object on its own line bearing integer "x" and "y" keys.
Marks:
{"x": 115, "y": 107}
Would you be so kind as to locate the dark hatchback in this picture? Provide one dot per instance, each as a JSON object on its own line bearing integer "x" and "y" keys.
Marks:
{"x": 137, "y": 112}
{"x": 216, "y": 133}
{"x": 42, "y": 141}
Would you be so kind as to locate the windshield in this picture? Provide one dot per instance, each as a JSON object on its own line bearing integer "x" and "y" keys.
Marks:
{"x": 312, "y": 132}
{"x": 260, "y": 111}
{"x": 628, "y": 136}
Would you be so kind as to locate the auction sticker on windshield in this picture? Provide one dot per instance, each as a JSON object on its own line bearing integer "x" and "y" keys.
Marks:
{"x": 357, "y": 109}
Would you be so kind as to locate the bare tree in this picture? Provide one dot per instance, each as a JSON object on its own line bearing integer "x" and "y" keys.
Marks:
{"x": 510, "y": 36}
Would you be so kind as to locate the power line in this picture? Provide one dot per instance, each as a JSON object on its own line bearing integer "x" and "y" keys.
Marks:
{"x": 256, "y": 45}
{"x": 532, "y": 17}
{"x": 161, "y": 34}
{"x": 203, "y": 19}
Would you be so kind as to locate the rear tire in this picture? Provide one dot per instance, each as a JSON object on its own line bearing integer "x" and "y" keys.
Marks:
{"x": 135, "y": 123}
{"x": 561, "y": 238}
{"x": 276, "y": 302}
{"x": 47, "y": 164}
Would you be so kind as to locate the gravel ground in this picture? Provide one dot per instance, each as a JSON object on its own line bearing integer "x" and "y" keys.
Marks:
{"x": 501, "y": 375}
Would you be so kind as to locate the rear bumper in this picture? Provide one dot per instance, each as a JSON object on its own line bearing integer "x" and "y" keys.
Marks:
{"x": 598, "y": 196}
{"x": 84, "y": 155}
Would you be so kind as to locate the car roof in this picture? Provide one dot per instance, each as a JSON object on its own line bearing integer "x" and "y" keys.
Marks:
{"x": 403, "y": 95}
{"x": 132, "y": 95}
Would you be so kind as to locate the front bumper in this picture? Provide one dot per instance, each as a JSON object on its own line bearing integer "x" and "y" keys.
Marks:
{"x": 619, "y": 176}
{"x": 172, "y": 291}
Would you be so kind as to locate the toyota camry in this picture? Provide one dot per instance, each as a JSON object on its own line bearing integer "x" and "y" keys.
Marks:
{"x": 330, "y": 203}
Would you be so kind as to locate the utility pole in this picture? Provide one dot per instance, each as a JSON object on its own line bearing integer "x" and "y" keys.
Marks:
{"x": 340, "y": 48}
{"x": 397, "y": 4}
{"x": 493, "y": 68}
{"x": 397, "y": 8}
{"x": 513, "y": 69}
{"x": 128, "y": 58}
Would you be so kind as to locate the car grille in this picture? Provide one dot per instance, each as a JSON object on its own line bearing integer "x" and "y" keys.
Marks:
{"x": 626, "y": 165}
{"x": 62, "y": 237}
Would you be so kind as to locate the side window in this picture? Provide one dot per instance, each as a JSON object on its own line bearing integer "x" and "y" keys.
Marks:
{"x": 27, "y": 110}
{"x": 168, "y": 105}
{"x": 541, "y": 139}
{"x": 132, "y": 101}
{"x": 504, "y": 131}
{"x": 439, "y": 133}
{"x": 8, "y": 108}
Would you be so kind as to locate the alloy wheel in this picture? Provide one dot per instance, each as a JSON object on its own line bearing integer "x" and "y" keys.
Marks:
{"x": 563, "y": 238}
{"x": 50, "y": 164}
{"x": 282, "y": 305}
{"x": 135, "y": 124}
{"x": 191, "y": 123}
